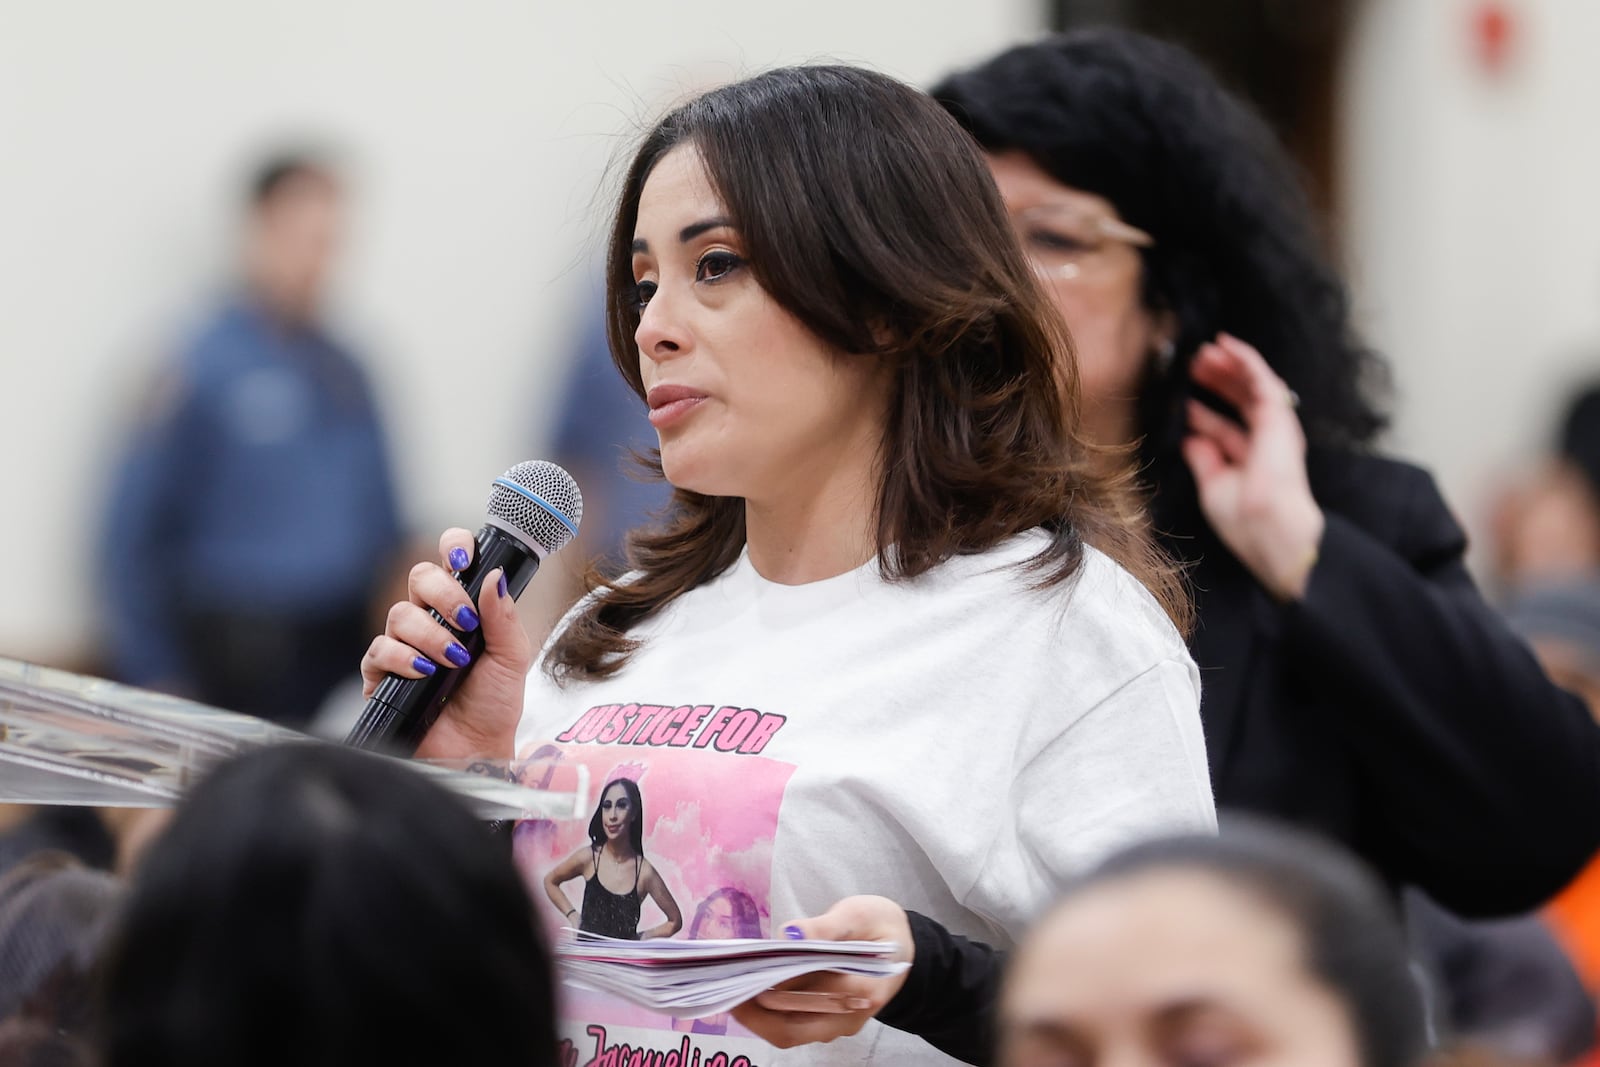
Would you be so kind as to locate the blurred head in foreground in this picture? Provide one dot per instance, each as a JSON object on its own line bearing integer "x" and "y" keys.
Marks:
{"x": 1263, "y": 946}
{"x": 54, "y": 917}
{"x": 319, "y": 905}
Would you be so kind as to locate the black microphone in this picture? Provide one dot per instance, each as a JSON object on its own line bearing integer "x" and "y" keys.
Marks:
{"x": 534, "y": 509}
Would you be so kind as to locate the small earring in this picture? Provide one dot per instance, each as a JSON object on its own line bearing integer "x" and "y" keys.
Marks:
{"x": 1166, "y": 352}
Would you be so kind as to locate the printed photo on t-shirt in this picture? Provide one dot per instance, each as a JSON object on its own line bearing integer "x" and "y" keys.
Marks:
{"x": 678, "y": 843}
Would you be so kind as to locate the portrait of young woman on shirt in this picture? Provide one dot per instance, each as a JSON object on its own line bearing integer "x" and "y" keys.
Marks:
{"x": 895, "y": 615}
{"x": 616, "y": 849}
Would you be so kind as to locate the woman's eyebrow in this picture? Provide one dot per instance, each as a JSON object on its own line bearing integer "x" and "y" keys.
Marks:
{"x": 695, "y": 229}
{"x": 688, "y": 233}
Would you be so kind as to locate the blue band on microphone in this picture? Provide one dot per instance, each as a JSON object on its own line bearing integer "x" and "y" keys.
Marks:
{"x": 540, "y": 501}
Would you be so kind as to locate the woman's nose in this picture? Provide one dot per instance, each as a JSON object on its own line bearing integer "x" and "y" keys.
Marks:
{"x": 661, "y": 333}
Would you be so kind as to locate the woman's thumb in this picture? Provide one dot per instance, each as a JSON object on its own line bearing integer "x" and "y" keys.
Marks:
{"x": 503, "y": 635}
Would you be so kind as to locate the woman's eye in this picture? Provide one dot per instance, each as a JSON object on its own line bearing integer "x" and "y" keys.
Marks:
{"x": 1034, "y": 1050}
{"x": 1203, "y": 1058}
{"x": 642, "y": 292}
{"x": 1058, "y": 242}
{"x": 1207, "y": 1048}
{"x": 714, "y": 265}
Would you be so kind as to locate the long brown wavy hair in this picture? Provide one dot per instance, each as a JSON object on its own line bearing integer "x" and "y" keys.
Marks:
{"x": 869, "y": 215}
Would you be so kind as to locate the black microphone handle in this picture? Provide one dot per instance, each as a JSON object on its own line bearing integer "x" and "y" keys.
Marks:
{"x": 402, "y": 710}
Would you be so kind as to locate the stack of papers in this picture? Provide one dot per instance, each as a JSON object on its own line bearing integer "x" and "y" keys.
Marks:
{"x": 690, "y": 979}
{"x": 73, "y": 739}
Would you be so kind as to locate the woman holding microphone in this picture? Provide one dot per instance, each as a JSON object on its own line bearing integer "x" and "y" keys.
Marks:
{"x": 897, "y": 607}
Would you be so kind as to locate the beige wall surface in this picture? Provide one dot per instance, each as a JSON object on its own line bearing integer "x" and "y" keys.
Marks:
{"x": 477, "y": 135}
{"x": 1473, "y": 224}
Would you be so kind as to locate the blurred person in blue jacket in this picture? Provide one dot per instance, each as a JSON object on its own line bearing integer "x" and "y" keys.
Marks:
{"x": 255, "y": 508}
{"x": 600, "y": 425}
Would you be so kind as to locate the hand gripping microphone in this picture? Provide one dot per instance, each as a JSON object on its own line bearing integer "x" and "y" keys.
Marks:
{"x": 534, "y": 509}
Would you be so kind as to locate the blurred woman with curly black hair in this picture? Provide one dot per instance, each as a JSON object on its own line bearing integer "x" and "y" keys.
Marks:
{"x": 1354, "y": 679}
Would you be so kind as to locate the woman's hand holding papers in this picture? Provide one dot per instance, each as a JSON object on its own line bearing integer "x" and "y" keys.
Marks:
{"x": 825, "y": 1005}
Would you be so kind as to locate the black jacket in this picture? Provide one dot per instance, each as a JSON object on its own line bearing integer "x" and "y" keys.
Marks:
{"x": 1390, "y": 708}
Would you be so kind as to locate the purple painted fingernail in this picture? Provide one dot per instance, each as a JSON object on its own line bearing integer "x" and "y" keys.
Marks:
{"x": 466, "y": 618}
{"x": 459, "y": 559}
{"x": 423, "y": 664}
{"x": 794, "y": 933}
{"x": 456, "y": 653}
{"x": 502, "y": 584}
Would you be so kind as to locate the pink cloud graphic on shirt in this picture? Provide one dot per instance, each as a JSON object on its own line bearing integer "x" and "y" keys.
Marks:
{"x": 698, "y": 844}
{"x": 709, "y": 822}
{"x": 698, "y": 858}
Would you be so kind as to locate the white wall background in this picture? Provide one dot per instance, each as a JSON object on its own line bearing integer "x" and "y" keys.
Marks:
{"x": 478, "y": 132}
{"x": 1473, "y": 224}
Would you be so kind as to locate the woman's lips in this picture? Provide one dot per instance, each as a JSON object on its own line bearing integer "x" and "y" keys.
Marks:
{"x": 670, "y": 404}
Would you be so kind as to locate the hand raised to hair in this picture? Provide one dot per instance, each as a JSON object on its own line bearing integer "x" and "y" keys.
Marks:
{"x": 480, "y": 719}
{"x": 1252, "y": 478}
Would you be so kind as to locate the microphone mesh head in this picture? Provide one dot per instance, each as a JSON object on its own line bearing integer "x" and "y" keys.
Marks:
{"x": 539, "y": 503}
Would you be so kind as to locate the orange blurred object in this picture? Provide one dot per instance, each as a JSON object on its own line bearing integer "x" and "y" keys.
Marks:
{"x": 1494, "y": 30}
{"x": 1575, "y": 916}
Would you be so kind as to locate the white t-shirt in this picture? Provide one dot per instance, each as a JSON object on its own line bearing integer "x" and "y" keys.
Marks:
{"x": 960, "y": 743}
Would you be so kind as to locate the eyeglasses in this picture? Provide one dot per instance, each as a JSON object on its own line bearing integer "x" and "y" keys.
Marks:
{"x": 1062, "y": 240}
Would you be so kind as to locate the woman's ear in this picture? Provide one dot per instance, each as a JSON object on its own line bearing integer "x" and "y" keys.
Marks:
{"x": 883, "y": 336}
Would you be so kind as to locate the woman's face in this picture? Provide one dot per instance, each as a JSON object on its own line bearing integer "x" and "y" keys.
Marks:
{"x": 616, "y": 811}
{"x": 1089, "y": 262}
{"x": 1169, "y": 969}
{"x": 747, "y": 402}
{"x": 719, "y": 919}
